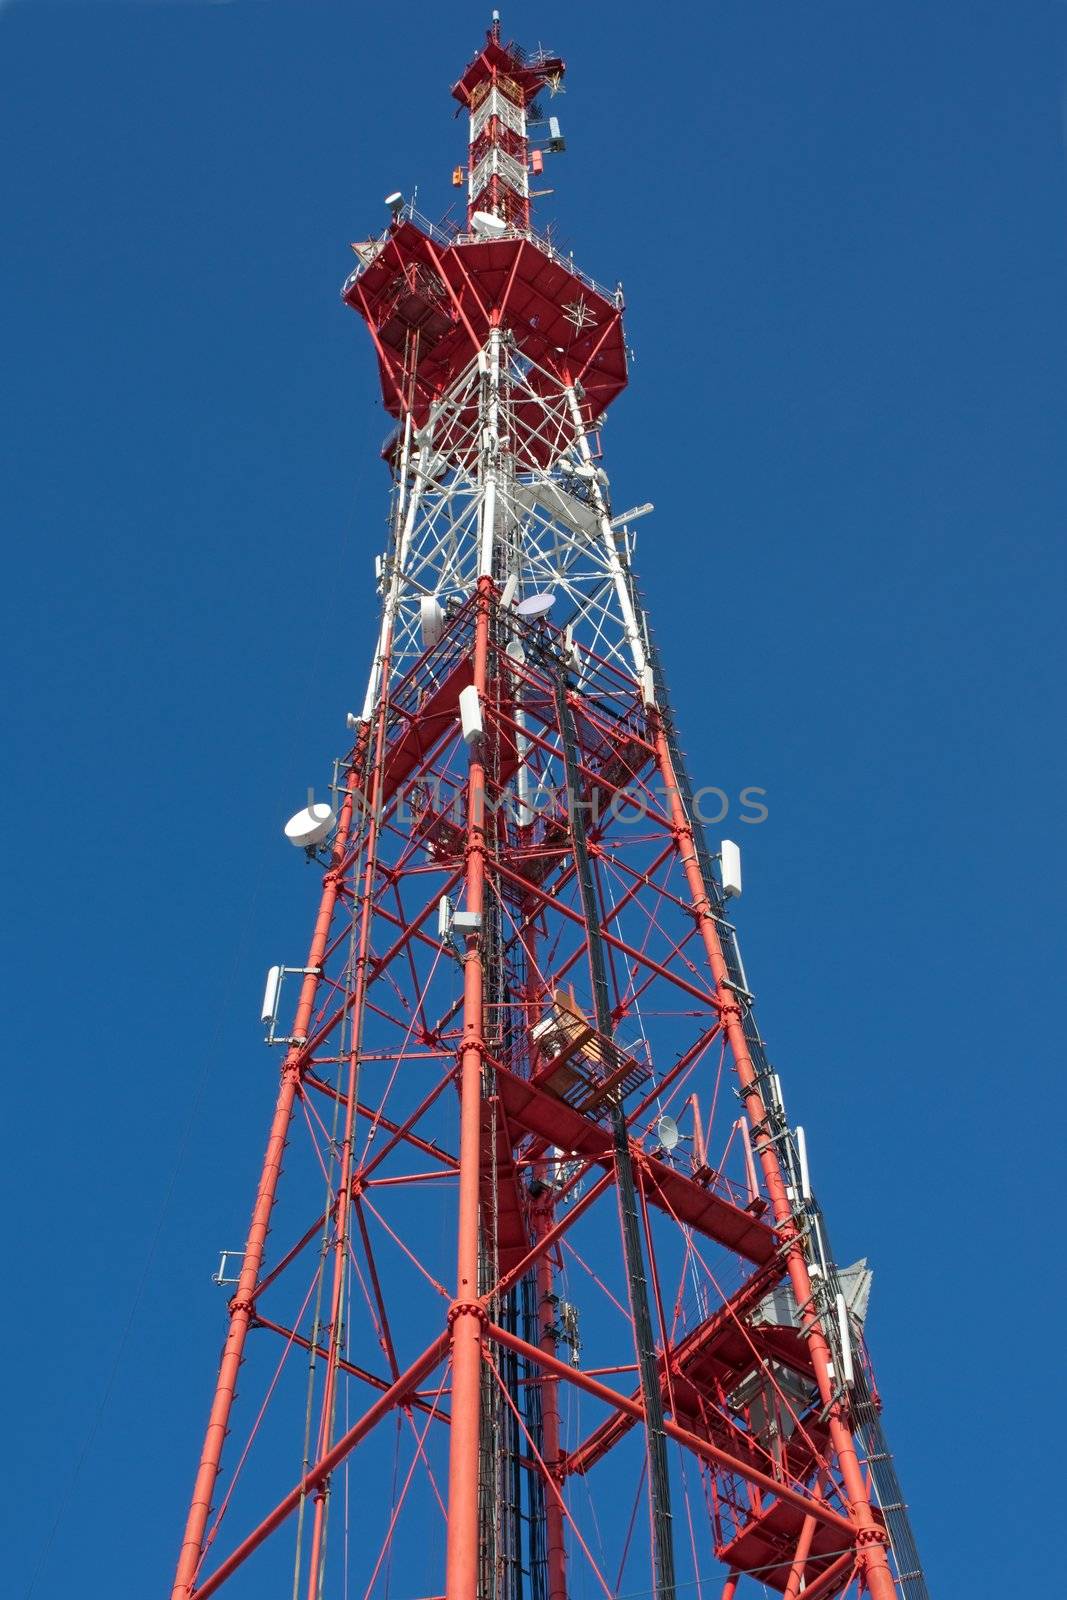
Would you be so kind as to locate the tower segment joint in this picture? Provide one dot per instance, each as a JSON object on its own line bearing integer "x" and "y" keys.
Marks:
{"x": 471, "y": 1042}
{"x": 295, "y": 1066}
{"x": 467, "y": 1308}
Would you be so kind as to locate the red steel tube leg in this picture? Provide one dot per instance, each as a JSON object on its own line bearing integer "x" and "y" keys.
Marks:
{"x": 466, "y": 1315}
{"x": 241, "y": 1306}
{"x": 800, "y": 1559}
{"x": 544, "y": 1219}
{"x": 344, "y": 1186}
{"x": 550, "y": 1417}
{"x": 830, "y": 1580}
{"x": 870, "y": 1535}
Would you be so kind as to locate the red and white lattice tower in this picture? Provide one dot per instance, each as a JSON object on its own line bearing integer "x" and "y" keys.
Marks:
{"x": 545, "y": 1304}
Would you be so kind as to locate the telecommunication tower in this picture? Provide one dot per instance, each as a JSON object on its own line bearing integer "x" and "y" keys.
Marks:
{"x": 545, "y": 1305}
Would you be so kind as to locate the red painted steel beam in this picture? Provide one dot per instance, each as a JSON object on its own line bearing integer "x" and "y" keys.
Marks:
{"x": 387, "y": 365}
{"x": 608, "y": 1432}
{"x": 397, "y": 1394}
{"x": 833, "y": 1578}
{"x": 457, "y": 301}
{"x": 611, "y": 735}
{"x": 795, "y": 1581}
{"x": 414, "y": 930}
{"x": 372, "y": 1379}
{"x": 686, "y": 1059}
{"x": 711, "y": 1001}
{"x": 346, "y": 1154}
{"x": 700, "y": 1447}
{"x": 551, "y": 1421}
{"x": 289, "y": 1256}
{"x": 538, "y": 1146}
{"x": 614, "y": 322}
{"x": 241, "y": 1306}
{"x": 683, "y": 1199}
{"x": 551, "y": 1237}
{"x": 466, "y": 1315}
{"x": 871, "y": 1534}
{"x": 403, "y": 1132}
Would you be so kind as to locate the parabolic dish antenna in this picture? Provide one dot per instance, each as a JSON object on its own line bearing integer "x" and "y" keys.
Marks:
{"x": 310, "y": 826}
{"x": 667, "y": 1132}
{"x": 535, "y": 605}
{"x": 488, "y": 225}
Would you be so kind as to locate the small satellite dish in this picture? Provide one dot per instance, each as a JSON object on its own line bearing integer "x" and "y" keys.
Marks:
{"x": 514, "y": 652}
{"x": 310, "y": 826}
{"x": 667, "y": 1132}
{"x": 535, "y": 605}
{"x": 489, "y": 226}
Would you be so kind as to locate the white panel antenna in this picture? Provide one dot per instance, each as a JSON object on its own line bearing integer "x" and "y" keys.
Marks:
{"x": 270, "y": 996}
{"x": 444, "y": 918}
{"x": 470, "y": 714}
{"x": 731, "y": 868}
{"x": 849, "y": 1372}
{"x": 802, "y": 1155}
{"x": 431, "y": 620}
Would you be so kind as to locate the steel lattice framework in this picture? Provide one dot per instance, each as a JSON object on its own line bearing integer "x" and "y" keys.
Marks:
{"x": 493, "y": 1305}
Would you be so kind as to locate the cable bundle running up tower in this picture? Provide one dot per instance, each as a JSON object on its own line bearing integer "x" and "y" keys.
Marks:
{"x": 543, "y": 1304}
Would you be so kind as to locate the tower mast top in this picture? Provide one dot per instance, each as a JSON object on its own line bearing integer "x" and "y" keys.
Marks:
{"x": 431, "y": 295}
{"x": 498, "y": 89}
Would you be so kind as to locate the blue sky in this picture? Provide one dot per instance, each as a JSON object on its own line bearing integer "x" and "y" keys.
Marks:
{"x": 841, "y": 228}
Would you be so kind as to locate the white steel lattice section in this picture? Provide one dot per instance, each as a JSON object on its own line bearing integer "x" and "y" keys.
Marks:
{"x": 551, "y": 516}
{"x": 498, "y": 105}
{"x": 497, "y": 163}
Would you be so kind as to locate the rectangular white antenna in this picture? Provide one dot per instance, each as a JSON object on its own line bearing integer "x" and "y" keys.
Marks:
{"x": 849, "y": 1372}
{"x": 444, "y": 918}
{"x": 470, "y": 714}
{"x": 431, "y": 619}
{"x": 731, "y": 868}
{"x": 802, "y": 1154}
{"x": 270, "y": 996}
